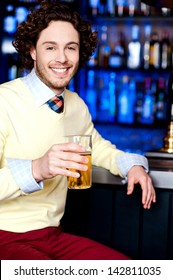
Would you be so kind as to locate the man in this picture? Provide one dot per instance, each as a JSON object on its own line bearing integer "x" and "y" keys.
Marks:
{"x": 53, "y": 43}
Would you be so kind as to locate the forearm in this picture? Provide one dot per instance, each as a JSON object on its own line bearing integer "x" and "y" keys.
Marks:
{"x": 105, "y": 153}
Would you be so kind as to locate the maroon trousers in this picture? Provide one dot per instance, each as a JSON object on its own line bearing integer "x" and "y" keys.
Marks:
{"x": 53, "y": 244}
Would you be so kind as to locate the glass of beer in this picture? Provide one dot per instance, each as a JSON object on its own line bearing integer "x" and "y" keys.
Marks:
{"x": 85, "y": 179}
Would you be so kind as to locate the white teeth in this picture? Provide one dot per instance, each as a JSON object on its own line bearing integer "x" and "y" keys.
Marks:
{"x": 59, "y": 70}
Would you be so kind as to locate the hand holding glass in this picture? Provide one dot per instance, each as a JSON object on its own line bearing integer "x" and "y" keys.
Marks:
{"x": 85, "y": 180}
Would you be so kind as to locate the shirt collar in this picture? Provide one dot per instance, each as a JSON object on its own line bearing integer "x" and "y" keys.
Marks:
{"x": 40, "y": 91}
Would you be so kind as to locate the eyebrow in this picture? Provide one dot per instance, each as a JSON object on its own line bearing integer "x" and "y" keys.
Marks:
{"x": 54, "y": 43}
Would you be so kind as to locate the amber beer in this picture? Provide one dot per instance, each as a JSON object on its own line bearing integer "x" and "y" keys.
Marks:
{"x": 84, "y": 181}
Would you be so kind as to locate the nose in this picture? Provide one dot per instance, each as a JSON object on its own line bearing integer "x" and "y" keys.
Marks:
{"x": 60, "y": 56}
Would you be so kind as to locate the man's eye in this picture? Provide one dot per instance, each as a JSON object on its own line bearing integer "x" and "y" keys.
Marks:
{"x": 72, "y": 48}
{"x": 50, "y": 48}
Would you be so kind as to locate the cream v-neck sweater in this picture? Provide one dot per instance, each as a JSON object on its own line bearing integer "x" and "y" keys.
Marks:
{"x": 27, "y": 132}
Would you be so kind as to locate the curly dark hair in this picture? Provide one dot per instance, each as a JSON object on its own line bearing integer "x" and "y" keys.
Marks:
{"x": 28, "y": 32}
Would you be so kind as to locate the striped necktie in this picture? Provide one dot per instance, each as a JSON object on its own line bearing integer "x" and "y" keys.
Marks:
{"x": 56, "y": 103}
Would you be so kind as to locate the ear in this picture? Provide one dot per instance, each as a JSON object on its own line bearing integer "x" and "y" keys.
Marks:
{"x": 33, "y": 53}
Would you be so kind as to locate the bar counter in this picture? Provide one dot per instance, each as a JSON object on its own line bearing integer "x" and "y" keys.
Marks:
{"x": 107, "y": 214}
{"x": 161, "y": 179}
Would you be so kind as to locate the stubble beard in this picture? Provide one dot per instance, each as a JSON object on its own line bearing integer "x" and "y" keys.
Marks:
{"x": 53, "y": 85}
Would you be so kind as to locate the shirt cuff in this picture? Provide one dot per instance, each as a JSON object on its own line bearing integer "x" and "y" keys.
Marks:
{"x": 22, "y": 173}
{"x": 128, "y": 160}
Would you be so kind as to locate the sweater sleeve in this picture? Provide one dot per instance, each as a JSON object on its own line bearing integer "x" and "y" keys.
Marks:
{"x": 8, "y": 187}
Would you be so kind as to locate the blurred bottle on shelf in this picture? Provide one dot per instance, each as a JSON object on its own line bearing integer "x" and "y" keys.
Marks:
{"x": 126, "y": 101}
{"x": 10, "y": 22}
{"x": 71, "y": 85}
{"x": 93, "y": 7}
{"x": 21, "y": 14}
{"x": 12, "y": 67}
{"x": 134, "y": 49}
{"x": 148, "y": 108}
{"x": 104, "y": 48}
{"x": 132, "y": 100}
{"x": 145, "y": 9}
{"x": 91, "y": 94}
{"x": 166, "y": 12}
{"x": 102, "y": 10}
{"x": 120, "y": 8}
{"x": 133, "y": 7}
{"x": 112, "y": 96}
{"x": 117, "y": 56}
{"x": 166, "y": 50}
{"x": 111, "y": 8}
{"x": 106, "y": 97}
{"x": 170, "y": 98}
{"x": 139, "y": 101}
{"x": 146, "y": 47}
{"x": 154, "y": 59}
{"x": 123, "y": 101}
{"x": 93, "y": 61}
{"x": 161, "y": 102}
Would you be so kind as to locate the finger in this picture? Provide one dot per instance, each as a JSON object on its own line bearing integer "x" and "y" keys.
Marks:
{"x": 67, "y": 157}
{"x": 147, "y": 205}
{"x": 70, "y": 147}
{"x": 130, "y": 187}
{"x": 69, "y": 172}
{"x": 154, "y": 197}
{"x": 73, "y": 165}
{"x": 151, "y": 197}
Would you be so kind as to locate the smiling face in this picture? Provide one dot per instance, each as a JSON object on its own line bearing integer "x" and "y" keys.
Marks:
{"x": 56, "y": 56}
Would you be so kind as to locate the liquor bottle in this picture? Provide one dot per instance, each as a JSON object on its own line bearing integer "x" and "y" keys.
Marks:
{"x": 93, "y": 7}
{"x": 148, "y": 108}
{"x": 106, "y": 97}
{"x": 139, "y": 101}
{"x": 10, "y": 22}
{"x": 134, "y": 49}
{"x": 104, "y": 48}
{"x": 170, "y": 98}
{"x": 161, "y": 105}
{"x": 166, "y": 12}
{"x": 146, "y": 47}
{"x": 71, "y": 85}
{"x": 111, "y": 8}
{"x": 126, "y": 101}
{"x": 133, "y": 7}
{"x": 91, "y": 94}
{"x": 117, "y": 57}
{"x": 165, "y": 50}
{"x": 12, "y": 67}
{"x": 112, "y": 96}
{"x": 21, "y": 14}
{"x": 120, "y": 6}
{"x": 93, "y": 61}
{"x": 132, "y": 100}
{"x": 102, "y": 10}
{"x": 145, "y": 9}
{"x": 154, "y": 59}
